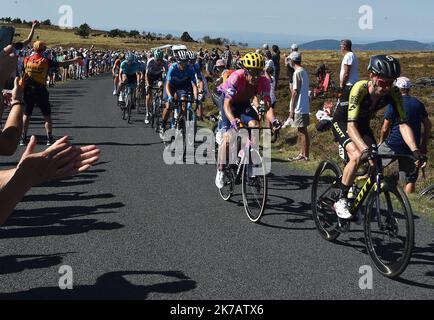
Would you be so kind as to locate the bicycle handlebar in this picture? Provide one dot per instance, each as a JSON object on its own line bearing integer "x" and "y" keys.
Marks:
{"x": 394, "y": 157}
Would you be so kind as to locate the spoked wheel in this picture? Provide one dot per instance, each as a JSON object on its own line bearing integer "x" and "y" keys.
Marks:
{"x": 428, "y": 192}
{"x": 124, "y": 111}
{"x": 180, "y": 138}
{"x": 152, "y": 120}
{"x": 254, "y": 186}
{"x": 229, "y": 184}
{"x": 325, "y": 193}
{"x": 129, "y": 107}
{"x": 389, "y": 231}
{"x": 191, "y": 131}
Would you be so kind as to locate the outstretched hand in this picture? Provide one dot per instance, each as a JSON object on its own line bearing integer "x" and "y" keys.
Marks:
{"x": 59, "y": 161}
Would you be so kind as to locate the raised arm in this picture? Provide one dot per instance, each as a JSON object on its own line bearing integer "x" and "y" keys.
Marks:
{"x": 31, "y": 34}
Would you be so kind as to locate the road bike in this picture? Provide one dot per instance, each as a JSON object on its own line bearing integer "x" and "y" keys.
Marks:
{"x": 184, "y": 122}
{"x": 382, "y": 204}
{"x": 128, "y": 101}
{"x": 155, "y": 114}
{"x": 249, "y": 171}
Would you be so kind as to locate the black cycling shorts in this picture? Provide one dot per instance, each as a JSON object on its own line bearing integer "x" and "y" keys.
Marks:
{"x": 35, "y": 94}
{"x": 339, "y": 129}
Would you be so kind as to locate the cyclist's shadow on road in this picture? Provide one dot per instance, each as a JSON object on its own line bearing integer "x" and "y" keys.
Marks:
{"x": 113, "y": 286}
{"x": 280, "y": 203}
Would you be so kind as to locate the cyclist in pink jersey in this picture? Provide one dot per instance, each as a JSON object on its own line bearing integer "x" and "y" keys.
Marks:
{"x": 234, "y": 101}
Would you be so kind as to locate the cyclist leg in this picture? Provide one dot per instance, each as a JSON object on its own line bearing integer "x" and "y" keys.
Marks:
{"x": 339, "y": 130}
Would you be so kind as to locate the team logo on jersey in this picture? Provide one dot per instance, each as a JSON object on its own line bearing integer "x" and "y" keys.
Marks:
{"x": 230, "y": 92}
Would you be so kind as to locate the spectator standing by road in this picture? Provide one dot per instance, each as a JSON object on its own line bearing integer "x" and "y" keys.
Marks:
{"x": 290, "y": 74}
{"x": 276, "y": 60}
{"x": 300, "y": 107}
{"x": 349, "y": 73}
{"x": 58, "y": 161}
{"x": 35, "y": 88}
{"x": 394, "y": 143}
{"x": 227, "y": 56}
{"x": 269, "y": 63}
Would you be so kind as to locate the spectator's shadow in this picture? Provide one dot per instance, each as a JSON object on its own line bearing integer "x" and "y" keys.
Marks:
{"x": 19, "y": 263}
{"x": 66, "y": 196}
{"x": 114, "y": 286}
{"x": 58, "y": 221}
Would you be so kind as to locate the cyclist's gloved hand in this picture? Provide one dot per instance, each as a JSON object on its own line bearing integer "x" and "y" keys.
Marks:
{"x": 170, "y": 99}
{"x": 369, "y": 154}
{"x": 420, "y": 157}
{"x": 234, "y": 124}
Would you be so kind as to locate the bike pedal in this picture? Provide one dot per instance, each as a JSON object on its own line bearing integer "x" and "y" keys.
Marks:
{"x": 343, "y": 225}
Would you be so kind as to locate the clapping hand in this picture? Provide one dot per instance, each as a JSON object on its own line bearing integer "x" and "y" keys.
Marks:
{"x": 59, "y": 161}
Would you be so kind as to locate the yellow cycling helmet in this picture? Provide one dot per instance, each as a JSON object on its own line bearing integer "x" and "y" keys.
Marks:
{"x": 253, "y": 61}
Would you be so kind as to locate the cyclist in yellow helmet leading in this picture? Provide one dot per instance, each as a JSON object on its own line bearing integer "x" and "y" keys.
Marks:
{"x": 234, "y": 101}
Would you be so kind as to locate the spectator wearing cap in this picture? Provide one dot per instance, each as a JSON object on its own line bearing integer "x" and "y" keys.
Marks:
{"x": 36, "y": 69}
{"x": 349, "y": 73}
{"x": 394, "y": 143}
{"x": 265, "y": 48}
{"x": 289, "y": 68}
{"x": 299, "y": 107}
{"x": 58, "y": 161}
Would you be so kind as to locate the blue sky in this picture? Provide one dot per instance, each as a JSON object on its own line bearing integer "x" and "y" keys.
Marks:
{"x": 243, "y": 20}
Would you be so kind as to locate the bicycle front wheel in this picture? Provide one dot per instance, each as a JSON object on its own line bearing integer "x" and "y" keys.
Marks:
{"x": 254, "y": 186}
{"x": 389, "y": 231}
{"x": 325, "y": 193}
{"x": 129, "y": 106}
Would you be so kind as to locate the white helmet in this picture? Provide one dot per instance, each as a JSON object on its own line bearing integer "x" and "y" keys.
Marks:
{"x": 294, "y": 47}
{"x": 403, "y": 83}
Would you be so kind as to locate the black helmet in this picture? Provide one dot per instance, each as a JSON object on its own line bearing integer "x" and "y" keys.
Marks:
{"x": 385, "y": 66}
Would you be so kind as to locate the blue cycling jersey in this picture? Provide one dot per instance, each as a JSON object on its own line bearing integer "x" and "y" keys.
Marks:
{"x": 130, "y": 69}
{"x": 198, "y": 71}
{"x": 180, "y": 78}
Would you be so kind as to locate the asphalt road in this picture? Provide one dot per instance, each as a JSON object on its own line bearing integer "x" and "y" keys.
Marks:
{"x": 135, "y": 228}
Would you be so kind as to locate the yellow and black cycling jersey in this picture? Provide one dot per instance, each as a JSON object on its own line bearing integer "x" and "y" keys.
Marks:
{"x": 359, "y": 106}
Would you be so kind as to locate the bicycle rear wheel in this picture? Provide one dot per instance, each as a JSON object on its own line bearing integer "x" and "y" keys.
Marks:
{"x": 254, "y": 186}
{"x": 389, "y": 231}
{"x": 325, "y": 193}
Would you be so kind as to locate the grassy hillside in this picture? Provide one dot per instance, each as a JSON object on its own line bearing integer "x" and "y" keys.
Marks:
{"x": 54, "y": 36}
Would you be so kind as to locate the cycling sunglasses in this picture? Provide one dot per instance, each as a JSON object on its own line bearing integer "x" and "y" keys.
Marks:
{"x": 255, "y": 73}
{"x": 384, "y": 83}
